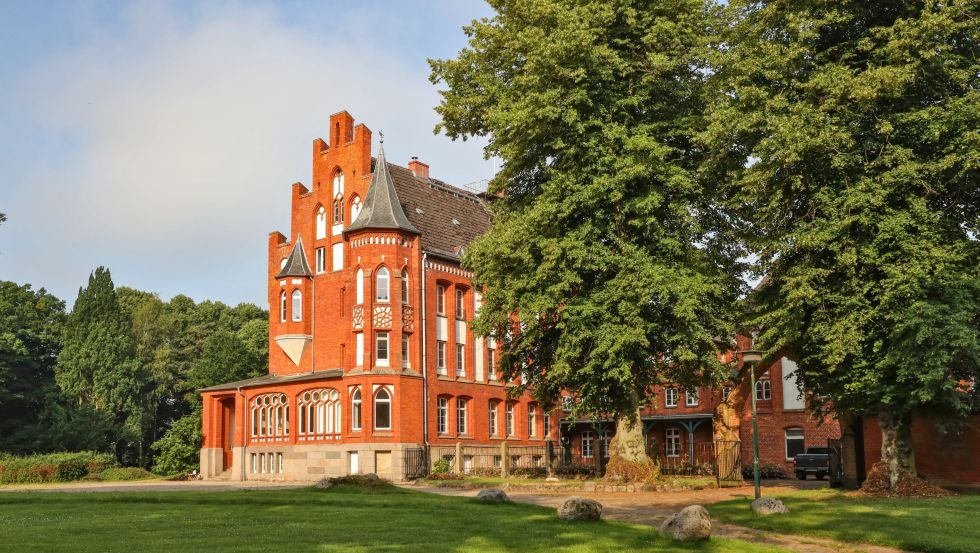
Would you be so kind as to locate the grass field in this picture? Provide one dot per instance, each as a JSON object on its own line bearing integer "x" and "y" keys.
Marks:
{"x": 339, "y": 519}
{"x": 949, "y": 524}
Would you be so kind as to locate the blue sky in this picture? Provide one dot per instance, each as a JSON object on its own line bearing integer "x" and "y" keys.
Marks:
{"x": 160, "y": 139}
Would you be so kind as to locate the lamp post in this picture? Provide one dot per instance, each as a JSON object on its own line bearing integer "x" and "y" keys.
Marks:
{"x": 749, "y": 358}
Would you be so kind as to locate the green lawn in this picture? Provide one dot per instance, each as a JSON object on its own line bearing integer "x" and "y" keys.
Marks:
{"x": 339, "y": 519}
{"x": 939, "y": 524}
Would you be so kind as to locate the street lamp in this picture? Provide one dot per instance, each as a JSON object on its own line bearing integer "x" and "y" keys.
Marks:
{"x": 749, "y": 358}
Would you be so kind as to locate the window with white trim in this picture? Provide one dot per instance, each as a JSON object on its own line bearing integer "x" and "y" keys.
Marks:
{"x": 492, "y": 364}
{"x": 319, "y": 413}
{"x": 355, "y": 208}
{"x": 442, "y": 415}
{"x": 670, "y": 397}
{"x": 441, "y": 357}
{"x": 461, "y": 421}
{"x": 382, "y": 409}
{"x": 546, "y": 424}
{"x": 492, "y": 417}
{"x": 321, "y": 260}
{"x": 406, "y": 359}
{"x": 763, "y": 390}
{"x": 588, "y": 440}
{"x": 532, "y": 423}
{"x": 270, "y": 416}
{"x": 509, "y": 420}
{"x": 381, "y": 290}
{"x": 404, "y": 286}
{"x": 460, "y": 304}
{"x": 321, "y": 223}
{"x": 460, "y": 360}
{"x": 381, "y": 349}
{"x": 440, "y": 299}
{"x": 355, "y": 410}
{"x": 359, "y": 287}
{"x": 673, "y": 443}
{"x": 691, "y": 398}
{"x": 297, "y": 305}
{"x": 795, "y": 444}
{"x": 282, "y": 307}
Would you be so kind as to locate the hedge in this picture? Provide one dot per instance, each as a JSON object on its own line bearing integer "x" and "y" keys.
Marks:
{"x": 52, "y": 467}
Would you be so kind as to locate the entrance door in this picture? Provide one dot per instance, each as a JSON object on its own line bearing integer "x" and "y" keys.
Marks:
{"x": 228, "y": 432}
{"x": 355, "y": 467}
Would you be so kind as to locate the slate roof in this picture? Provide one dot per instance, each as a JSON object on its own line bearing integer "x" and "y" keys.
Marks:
{"x": 273, "y": 379}
{"x": 296, "y": 264}
{"x": 448, "y": 217}
{"x": 381, "y": 209}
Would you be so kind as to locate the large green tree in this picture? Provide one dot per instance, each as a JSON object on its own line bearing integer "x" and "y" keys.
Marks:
{"x": 849, "y": 131}
{"x": 605, "y": 244}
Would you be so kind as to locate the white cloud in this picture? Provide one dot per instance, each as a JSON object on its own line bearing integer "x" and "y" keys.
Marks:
{"x": 189, "y": 134}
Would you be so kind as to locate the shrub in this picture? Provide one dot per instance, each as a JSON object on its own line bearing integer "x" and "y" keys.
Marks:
{"x": 484, "y": 471}
{"x": 51, "y": 467}
{"x": 766, "y": 470}
{"x": 180, "y": 447}
{"x": 442, "y": 466}
{"x": 121, "y": 474}
{"x": 444, "y": 476}
{"x": 575, "y": 470}
{"x": 529, "y": 472}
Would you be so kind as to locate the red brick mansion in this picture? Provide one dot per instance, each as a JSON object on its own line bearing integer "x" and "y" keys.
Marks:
{"x": 371, "y": 352}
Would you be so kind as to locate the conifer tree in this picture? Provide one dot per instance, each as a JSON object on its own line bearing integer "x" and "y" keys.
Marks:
{"x": 605, "y": 244}
{"x": 849, "y": 133}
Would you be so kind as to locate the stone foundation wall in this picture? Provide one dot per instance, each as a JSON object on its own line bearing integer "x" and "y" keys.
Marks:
{"x": 309, "y": 463}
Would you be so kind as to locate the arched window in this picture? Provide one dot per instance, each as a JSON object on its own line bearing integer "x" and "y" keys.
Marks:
{"x": 355, "y": 409}
{"x": 297, "y": 305}
{"x": 355, "y": 208}
{"x": 588, "y": 440}
{"x": 338, "y": 210}
{"x": 763, "y": 390}
{"x": 381, "y": 287}
{"x": 282, "y": 307}
{"x": 338, "y": 184}
{"x": 382, "y": 409}
{"x": 404, "y": 285}
{"x": 673, "y": 443}
{"x": 270, "y": 416}
{"x": 321, "y": 223}
{"x": 359, "y": 287}
{"x": 319, "y": 414}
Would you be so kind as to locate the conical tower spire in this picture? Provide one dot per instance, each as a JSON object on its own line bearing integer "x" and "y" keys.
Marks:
{"x": 381, "y": 209}
{"x": 296, "y": 264}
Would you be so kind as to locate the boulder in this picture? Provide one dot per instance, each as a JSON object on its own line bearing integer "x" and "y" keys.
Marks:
{"x": 769, "y": 506}
{"x": 691, "y": 523}
{"x": 492, "y": 495}
{"x": 579, "y": 508}
{"x": 324, "y": 484}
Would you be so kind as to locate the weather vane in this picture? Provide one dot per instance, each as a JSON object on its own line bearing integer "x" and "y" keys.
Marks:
{"x": 381, "y": 135}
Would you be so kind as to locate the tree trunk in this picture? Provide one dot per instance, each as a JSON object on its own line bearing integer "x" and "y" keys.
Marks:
{"x": 628, "y": 459}
{"x": 896, "y": 444}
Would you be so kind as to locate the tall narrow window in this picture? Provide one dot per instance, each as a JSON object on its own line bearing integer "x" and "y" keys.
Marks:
{"x": 763, "y": 390}
{"x": 461, "y": 416}
{"x": 355, "y": 410}
{"x": 673, "y": 443}
{"x": 440, "y": 299}
{"x": 532, "y": 426}
{"x": 588, "y": 440}
{"x": 355, "y": 208}
{"x": 381, "y": 350}
{"x": 282, "y": 307}
{"x": 319, "y": 413}
{"x": 460, "y": 360}
{"x": 406, "y": 359}
{"x": 509, "y": 419}
{"x": 359, "y": 287}
{"x": 297, "y": 305}
{"x": 492, "y": 364}
{"x": 492, "y": 418}
{"x": 321, "y": 223}
{"x": 338, "y": 210}
{"x": 442, "y": 415}
{"x": 670, "y": 397}
{"x": 321, "y": 260}
{"x": 404, "y": 286}
{"x": 382, "y": 410}
{"x": 461, "y": 304}
{"x": 546, "y": 424}
{"x": 381, "y": 289}
{"x": 794, "y": 442}
{"x": 441, "y": 357}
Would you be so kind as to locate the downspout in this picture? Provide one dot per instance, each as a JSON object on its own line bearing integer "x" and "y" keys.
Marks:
{"x": 244, "y": 430}
{"x": 313, "y": 327}
{"x": 425, "y": 372}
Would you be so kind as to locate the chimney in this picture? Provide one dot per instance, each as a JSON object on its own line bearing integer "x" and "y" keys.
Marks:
{"x": 420, "y": 169}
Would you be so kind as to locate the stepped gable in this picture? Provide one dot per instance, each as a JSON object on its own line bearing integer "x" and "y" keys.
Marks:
{"x": 296, "y": 265}
{"x": 449, "y": 218}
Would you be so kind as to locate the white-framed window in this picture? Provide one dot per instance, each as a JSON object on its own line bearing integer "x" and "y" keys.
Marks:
{"x": 282, "y": 307}
{"x": 355, "y": 208}
{"x": 604, "y": 445}
{"x": 440, "y": 357}
{"x": 509, "y": 425}
{"x": 546, "y": 424}
{"x": 270, "y": 415}
{"x": 321, "y": 260}
{"x": 442, "y": 415}
{"x": 404, "y": 286}
{"x": 382, "y": 409}
{"x": 795, "y": 444}
{"x": 725, "y": 392}
{"x": 279, "y": 462}
{"x": 440, "y": 299}
{"x": 338, "y": 257}
{"x": 297, "y": 305}
{"x": 460, "y": 360}
{"x": 492, "y": 363}
{"x": 359, "y": 287}
{"x": 567, "y": 403}
{"x": 381, "y": 290}
{"x": 381, "y": 349}
{"x": 763, "y": 390}
{"x": 691, "y": 398}
{"x": 461, "y": 421}
{"x": 670, "y": 397}
{"x": 673, "y": 443}
{"x": 460, "y": 304}
{"x": 492, "y": 417}
{"x": 406, "y": 359}
{"x": 532, "y": 422}
{"x": 588, "y": 441}
{"x": 338, "y": 183}
{"x": 338, "y": 210}
{"x": 355, "y": 409}
{"x": 319, "y": 413}
{"x": 321, "y": 223}
{"x": 359, "y": 349}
